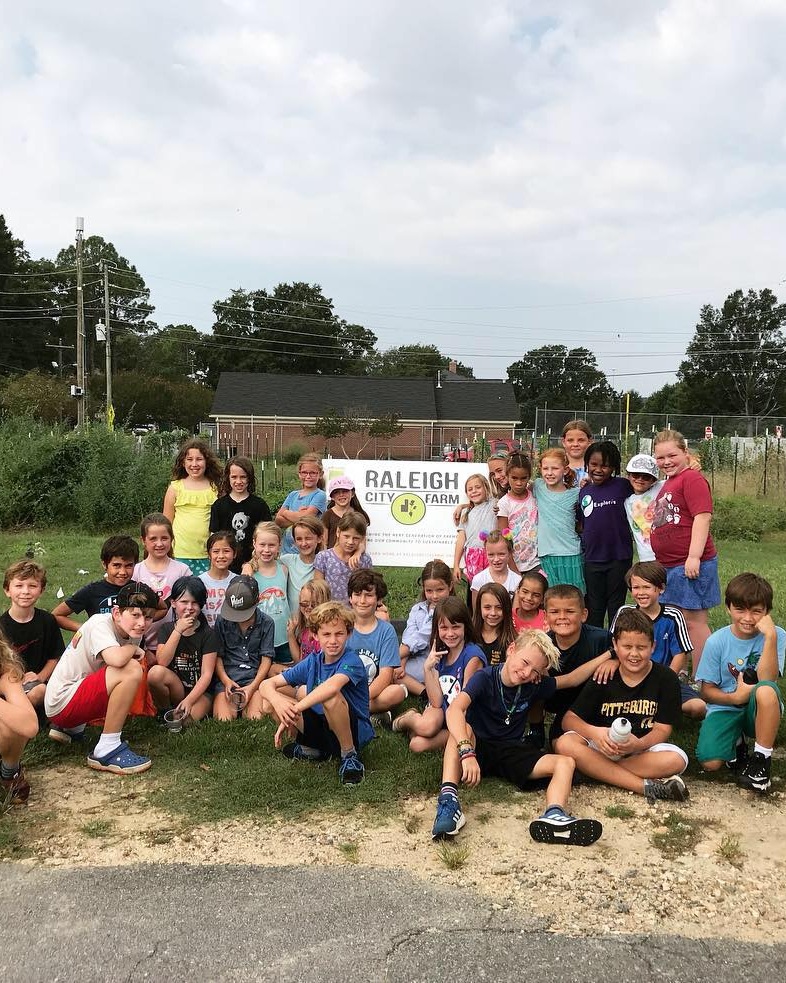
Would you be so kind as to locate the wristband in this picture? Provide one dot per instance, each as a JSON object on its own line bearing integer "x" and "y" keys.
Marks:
{"x": 469, "y": 753}
{"x": 463, "y": 743}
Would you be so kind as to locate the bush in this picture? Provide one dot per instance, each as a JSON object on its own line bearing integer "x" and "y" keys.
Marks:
{"x": 293, "y": 452}
{"x": 92, "y": 478}
{"x": 746, "y": 518}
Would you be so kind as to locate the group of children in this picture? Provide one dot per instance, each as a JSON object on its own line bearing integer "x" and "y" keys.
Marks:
{"x": 248, "y": 629}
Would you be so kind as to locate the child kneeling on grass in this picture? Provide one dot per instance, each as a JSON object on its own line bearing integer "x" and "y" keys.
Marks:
{"x": 647, "y": 695}
{"x": 98, "y": 676}
{"x": 323, "y": 699}
{"x": 487, "y": 723}
{"x": 738, "y": 673}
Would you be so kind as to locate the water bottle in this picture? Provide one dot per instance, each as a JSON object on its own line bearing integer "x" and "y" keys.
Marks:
{"x": 620, "y": 729}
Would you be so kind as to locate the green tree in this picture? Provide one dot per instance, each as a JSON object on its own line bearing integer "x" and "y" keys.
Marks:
{"x": 354, "y": 421}
{"x": 667, "y": 399}
{"x": 292, "y": 330}
{"x": 736, "y": 361}
{"x": 177, "y": 351}
{"x": 140, "y": 398}
{"x": 43, "y": 397}
{"x": 558, "y": 376}
{"x": 416, "y": 360}
{"x": 129, "y": 302}
{"x": 28, "y": 308}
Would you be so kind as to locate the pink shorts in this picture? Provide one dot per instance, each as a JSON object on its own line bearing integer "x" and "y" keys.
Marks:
{"x": 88, "y": 702}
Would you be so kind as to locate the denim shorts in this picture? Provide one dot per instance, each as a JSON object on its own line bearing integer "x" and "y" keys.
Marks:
{"x": 700, "y": 594}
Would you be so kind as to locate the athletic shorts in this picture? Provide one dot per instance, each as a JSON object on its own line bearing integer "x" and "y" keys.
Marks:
{"x": 663, "y": 746}
{"x": 721, "y": 729}
{"x": 317, "y": 734}
{"x": 89, "y": 702}
{"x": 282, "y": 656}
{"x": 509, "y": 760}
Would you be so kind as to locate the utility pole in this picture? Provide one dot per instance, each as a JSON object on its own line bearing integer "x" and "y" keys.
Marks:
{"x": 80, "y": 328}
{"x": 60, "y": 349}
{"x": 110, "y": 410}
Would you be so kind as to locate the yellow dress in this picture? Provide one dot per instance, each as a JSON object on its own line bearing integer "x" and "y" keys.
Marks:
{"x": 191, "y": 524}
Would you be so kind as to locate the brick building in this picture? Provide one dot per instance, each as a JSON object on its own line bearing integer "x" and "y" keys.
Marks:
{"x": 260, "y": 414}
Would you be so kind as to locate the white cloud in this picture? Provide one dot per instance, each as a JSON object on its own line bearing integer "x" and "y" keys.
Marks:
{"x": 587, "y": 148}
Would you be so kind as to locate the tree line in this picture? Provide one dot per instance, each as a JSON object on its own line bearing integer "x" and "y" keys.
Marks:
{"x": 165, "y": 374}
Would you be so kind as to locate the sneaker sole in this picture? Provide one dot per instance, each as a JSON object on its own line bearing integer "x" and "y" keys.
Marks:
{"x": 116, "y": 769}
{"x": 354, "y": 778}
{"x": 680, "y": 787}
{"x": 752, "y": 786}
{"x": 578, "y": 832}
{"x": 462, "y": 822}
{"x": 59, "y": 737}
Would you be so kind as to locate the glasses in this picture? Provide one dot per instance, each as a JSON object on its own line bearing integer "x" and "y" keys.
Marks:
{"x": 310, "y": 474}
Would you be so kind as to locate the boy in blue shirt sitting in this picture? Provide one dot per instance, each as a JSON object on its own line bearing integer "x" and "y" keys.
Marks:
{"x": 738, "y": 672}
{"x": 323, "y": 699}
{"x": 376, "y": 642}
{"x": 487, "y": 723}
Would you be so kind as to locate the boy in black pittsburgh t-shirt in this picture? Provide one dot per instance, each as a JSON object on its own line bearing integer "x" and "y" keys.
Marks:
{"x": 648, "y": 696}
{"x": 487, "y": 722}
{"x": 33, "y": 633}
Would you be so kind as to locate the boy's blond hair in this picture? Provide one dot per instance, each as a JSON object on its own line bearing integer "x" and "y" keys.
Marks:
{"x": 331, "y": 611}
{"x": 541, "y": 641}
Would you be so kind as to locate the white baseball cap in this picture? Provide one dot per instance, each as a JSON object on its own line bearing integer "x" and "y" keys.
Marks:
{"x": 643, "y": 464}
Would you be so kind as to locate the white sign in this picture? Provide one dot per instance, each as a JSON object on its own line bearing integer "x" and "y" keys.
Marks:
{"x": 410, "y": 504}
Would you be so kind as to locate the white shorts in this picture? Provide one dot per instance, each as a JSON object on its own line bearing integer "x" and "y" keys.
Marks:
{"x": 655, "y": 747}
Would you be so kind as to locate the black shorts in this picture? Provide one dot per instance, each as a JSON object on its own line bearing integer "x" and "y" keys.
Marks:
{"x": 511, "y": 761}
{"x": 318, "y": 735}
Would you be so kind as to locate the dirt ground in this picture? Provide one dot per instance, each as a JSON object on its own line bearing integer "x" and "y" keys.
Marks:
{"x": 624, "y": 883}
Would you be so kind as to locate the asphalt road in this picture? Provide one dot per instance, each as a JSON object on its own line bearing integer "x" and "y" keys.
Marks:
{"x": 259, "y": 923}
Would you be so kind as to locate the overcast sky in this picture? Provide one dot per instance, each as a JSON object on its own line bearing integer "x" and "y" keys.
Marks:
{"x": 488, "y": 177}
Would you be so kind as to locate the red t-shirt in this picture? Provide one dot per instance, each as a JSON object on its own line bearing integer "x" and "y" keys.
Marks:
{"x": 536, "y": 621}
{"x": 682, "y": 497}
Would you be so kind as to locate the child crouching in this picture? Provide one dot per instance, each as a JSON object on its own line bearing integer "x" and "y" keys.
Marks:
{"x": 322, "y": 701}
{"x": 487, "y": 722}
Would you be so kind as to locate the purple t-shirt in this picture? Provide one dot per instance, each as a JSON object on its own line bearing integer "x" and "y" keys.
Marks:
{"x": 606, "y": 533}
{"x": 336, "y": 572}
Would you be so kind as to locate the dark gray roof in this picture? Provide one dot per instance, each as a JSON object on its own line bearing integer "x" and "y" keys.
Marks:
{"x": 478, "y": 400}
{"x": 267, "y": 394}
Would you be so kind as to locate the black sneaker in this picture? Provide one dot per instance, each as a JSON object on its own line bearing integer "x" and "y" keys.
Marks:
{"x": 557, "y": 826}
{"x": 756, "y": 775}
{"x": 667, "y": 789}
{"x": 739, "y": 763}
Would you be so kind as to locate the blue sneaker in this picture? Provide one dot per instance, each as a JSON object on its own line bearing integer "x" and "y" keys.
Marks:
{"x": 121, "y": 761}
{"x": 351, "y": 770}
{"x": 558, "y": 826}
{"x": 449, "y": 819}
{"x": 298, "y": 752}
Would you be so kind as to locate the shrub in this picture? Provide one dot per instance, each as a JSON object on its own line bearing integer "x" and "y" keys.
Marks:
{"x": 293, "y": 452}
{"x": 746, "y": 518}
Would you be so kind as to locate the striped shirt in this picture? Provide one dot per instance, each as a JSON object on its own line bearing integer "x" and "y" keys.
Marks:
{"x": 671, "y": 633}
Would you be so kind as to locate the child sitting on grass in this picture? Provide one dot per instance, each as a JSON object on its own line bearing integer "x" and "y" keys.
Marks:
{"x": 739, "y": 672}
{"x": 328, "y": 711}
{"x": 119, "y": 556}
{"x": 646, "y": 582}
{"x": 18, "y": 725}
{"x": 33, "y": 633}
{"x": 647, "y": 695}
{"x": 487, "y": 722}
{"x": 98, "y": 676}
{"x": 451, "y": 662}
{"x": 375, "y": 641}
{"x": 186, "y": 654}
{"x": 245, "y": 651}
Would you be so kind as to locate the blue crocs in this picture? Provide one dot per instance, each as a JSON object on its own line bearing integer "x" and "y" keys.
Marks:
{"x": 121, "y": 761}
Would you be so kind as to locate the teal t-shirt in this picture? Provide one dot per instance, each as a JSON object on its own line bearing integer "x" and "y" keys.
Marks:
{"x": 556, "y": 520}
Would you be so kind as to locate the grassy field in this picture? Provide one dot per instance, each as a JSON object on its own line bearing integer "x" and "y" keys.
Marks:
{"x": 216, "y": 771}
